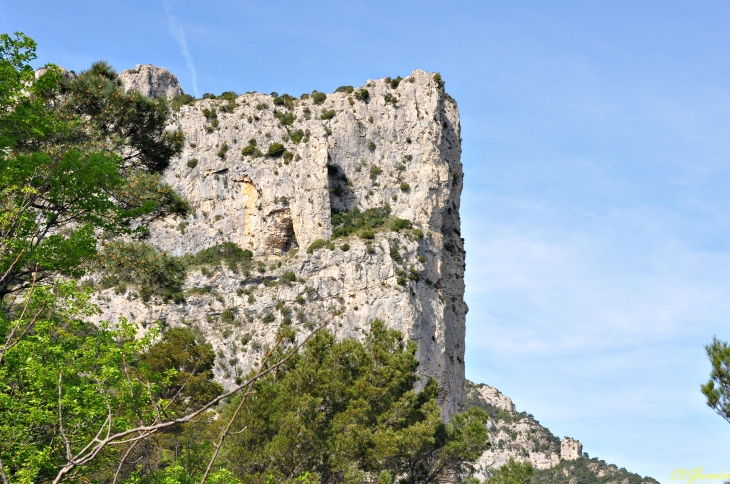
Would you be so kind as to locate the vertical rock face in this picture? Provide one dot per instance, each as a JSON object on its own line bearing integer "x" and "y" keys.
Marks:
{"x": 570, "y": 449}
{"x": 151, "y": 81}
{"x": 398, "y": 146}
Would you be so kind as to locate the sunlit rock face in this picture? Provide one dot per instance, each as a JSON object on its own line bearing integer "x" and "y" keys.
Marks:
{"x": 400, "y": 146}
{"x": 151, "y": 81}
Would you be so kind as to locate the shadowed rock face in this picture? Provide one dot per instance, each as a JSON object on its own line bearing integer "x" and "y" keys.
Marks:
{"x": 151, "y": 81}
{"x": 400, "y": 147}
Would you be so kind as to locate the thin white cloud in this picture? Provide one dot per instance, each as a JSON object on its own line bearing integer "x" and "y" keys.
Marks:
{"x": 177, "y": 31}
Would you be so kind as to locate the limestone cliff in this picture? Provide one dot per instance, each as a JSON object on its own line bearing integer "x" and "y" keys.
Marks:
{"x": 391, "y": 143}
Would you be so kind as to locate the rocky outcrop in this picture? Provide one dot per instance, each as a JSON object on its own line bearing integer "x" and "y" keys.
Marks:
{"x": 570, "y": 449}
{"x": 512, "y": 434}
{"x": 398, "y": 145}
{"x": 494, "y": 397}
{"x": 151, "y": 81}
{"x": 517, "y": 435}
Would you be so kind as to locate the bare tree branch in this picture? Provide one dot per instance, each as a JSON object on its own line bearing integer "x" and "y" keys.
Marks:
{"x": 2, "y": 472}
{"x": 121, "y": 462}
{"x": 11, "y": 266}
{"x": 66, "y": 442}
{"x": 96, "y": 445}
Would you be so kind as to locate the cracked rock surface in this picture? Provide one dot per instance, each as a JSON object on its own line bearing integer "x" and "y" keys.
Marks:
{"x": 400, "y": 145}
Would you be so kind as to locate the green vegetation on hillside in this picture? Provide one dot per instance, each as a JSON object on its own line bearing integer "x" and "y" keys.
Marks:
{"x": 80, "y": 165}
{"x": 341, "y": 408}
{"x": 585, "y": 471}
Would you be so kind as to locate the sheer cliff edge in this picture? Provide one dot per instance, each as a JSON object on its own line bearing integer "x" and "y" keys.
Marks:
{"x": 276, "y": 175}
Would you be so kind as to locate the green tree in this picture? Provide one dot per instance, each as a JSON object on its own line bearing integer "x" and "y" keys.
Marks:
{"x": 513, "y": 472}
{"x": 63, "y": 382}
{"x": 78, "y": 157}
{"x": 717, "y": 388}
{"x": 179, "y": 366}
{"x": 339, "y": 409}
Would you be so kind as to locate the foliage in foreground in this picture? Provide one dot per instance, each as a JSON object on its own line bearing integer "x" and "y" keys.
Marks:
{"x": 717, "y": 388}
{"x": 342, "y": 408}
{"x": 513, "y": 472}
{"x": 78, "y": 157}
{"x": 66, "y": 382}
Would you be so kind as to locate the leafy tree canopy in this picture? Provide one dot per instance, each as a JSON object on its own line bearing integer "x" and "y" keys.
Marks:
{"x": 513, "y": 472}
{"x": 342, "y": 408}
{"x": 78, "y": 157}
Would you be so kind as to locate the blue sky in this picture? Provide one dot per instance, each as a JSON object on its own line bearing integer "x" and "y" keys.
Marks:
{"x": 597, "y": 161}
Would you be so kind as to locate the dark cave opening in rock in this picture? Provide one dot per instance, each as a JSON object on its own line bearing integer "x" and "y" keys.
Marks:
{"x": 280, "y": 236}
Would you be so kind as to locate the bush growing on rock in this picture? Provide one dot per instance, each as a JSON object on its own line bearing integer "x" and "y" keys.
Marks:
{"x": 362, "y": 94}
{"x": 326, "y": 115}
{"x": 285, "y": 119}
{"x": 296, "y": 136}
{"x": 439, "y": 81}
{"x": 316, "y": 245}
{"x": 318, "y": 97}
{"x": 393, "y": 83}
{"x": 275, "y": 150}
{"x": 400, "y": 224}
{"x": 182, "y": 100}
{"x": 288, "y": 277}
{"x": 251, "y": 149}
{"x": 375, "y": 171}
{"x": 223, "y": 150}
{"x": 143, "y": 266}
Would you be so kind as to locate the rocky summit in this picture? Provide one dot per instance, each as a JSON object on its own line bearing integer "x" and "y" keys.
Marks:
{"x": 348, "y": 203}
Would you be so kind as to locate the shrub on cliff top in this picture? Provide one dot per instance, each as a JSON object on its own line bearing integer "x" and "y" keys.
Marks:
{"x": 362, "y": 94}
{"x": 439, "y": 81}
{"x": 182, "y": 100}
{"x": 318, "y": 97}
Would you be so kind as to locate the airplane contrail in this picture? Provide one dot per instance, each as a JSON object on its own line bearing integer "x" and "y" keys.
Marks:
{"x": 177, "y": 31}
